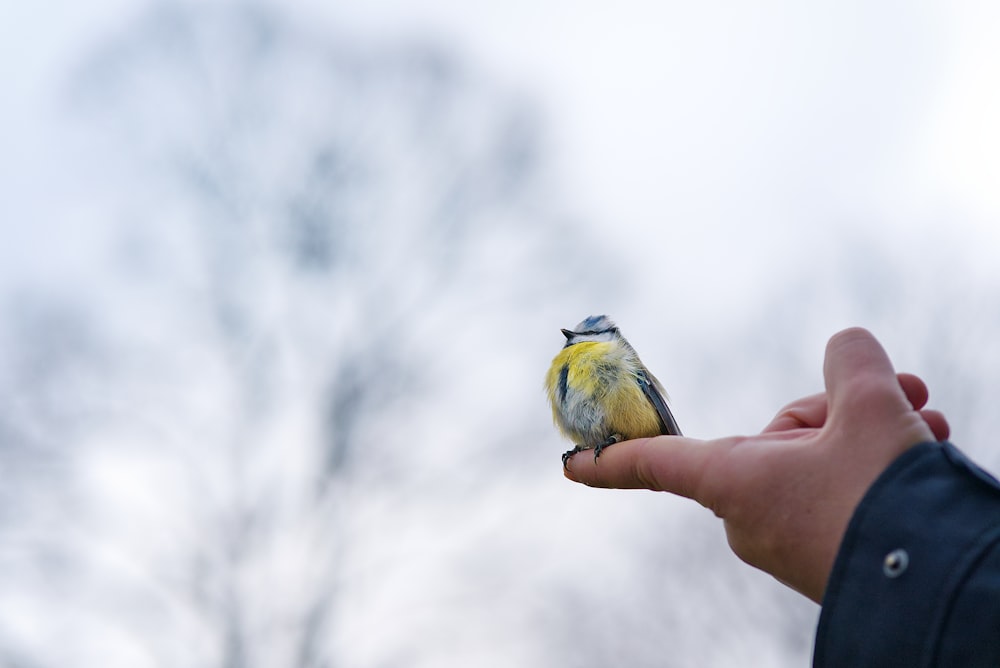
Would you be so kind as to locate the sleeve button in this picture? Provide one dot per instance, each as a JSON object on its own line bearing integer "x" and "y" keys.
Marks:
{"x": 895, "y": 563}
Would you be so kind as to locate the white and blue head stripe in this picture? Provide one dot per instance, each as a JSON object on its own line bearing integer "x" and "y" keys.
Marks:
{"x": 594, "y": 328}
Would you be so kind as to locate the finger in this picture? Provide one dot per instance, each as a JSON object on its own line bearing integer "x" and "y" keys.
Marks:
{"x": 914, "y": 388}
{"x": 665, "y": 463}
{"x": 807, "y": 412}
{"x": 938, "y": 424}
{"x": 810, "y": 412}
{"x": 917, "y": 394}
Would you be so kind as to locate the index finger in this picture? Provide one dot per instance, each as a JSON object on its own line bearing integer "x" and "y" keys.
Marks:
{"x": 673, "y": 464}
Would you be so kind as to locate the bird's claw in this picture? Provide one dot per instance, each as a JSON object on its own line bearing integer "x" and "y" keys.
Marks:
{"x": 614, "y": 438}
{"x": 570, "y": 453}
{"x": 598, "y": 449}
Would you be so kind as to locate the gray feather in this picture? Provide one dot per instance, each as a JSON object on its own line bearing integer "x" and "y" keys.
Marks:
{"x": 652, "y": 391}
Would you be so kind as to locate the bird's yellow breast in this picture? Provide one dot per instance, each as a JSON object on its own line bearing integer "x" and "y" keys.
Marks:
{"x": 594, "y": 394}
{"x": 589, "y": 365}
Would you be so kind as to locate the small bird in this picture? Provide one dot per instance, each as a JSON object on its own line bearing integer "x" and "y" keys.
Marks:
{"x": 601, "y": 392}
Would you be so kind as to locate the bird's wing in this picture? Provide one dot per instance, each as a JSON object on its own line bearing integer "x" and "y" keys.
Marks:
{"x": 652, "y": 391}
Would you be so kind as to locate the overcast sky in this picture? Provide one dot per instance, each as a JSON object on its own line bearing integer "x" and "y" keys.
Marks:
{"x": 807, "y": 162}
{"x": 702, "y": 140}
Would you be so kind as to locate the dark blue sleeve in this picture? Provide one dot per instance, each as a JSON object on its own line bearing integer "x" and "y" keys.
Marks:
{"x": 917, "y": 579}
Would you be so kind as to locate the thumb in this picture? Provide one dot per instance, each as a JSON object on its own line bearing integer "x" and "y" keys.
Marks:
{"x": 863, "y": 389}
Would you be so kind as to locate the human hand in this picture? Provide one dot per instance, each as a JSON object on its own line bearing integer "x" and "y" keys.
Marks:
{"x": 787, "y": 494}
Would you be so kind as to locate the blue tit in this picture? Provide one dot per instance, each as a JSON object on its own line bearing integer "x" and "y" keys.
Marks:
{"x": 601, "y": 392}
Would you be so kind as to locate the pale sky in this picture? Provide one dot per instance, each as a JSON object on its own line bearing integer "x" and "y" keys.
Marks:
{"x": 693, "y": 137}
{"x": 719, "y": 155}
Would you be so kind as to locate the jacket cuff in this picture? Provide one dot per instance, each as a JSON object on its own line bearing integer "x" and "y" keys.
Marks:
{"x": 911, "y": 545}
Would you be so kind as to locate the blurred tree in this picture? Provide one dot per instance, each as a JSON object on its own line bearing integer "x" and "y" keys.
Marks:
{"x": 311, "y": 233}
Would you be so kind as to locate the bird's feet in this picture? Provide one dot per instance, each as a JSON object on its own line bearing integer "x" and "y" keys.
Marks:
{"x": 614, "y": 438}
{"x": 570, "y": 453}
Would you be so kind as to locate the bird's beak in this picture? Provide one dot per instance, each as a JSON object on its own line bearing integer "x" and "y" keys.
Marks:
{"x": 567, "y": 333}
